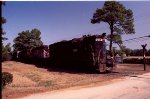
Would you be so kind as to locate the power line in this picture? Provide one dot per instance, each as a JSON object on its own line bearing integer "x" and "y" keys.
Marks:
{"x": 135, "y": 38}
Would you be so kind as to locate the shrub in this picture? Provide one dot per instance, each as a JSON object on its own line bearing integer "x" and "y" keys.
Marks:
{"x": 7, "y": 78}
{"x": 46, "y": 83}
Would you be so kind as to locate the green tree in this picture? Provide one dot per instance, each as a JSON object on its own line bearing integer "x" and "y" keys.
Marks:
{"x": 118, "y": 40}
{"x": 3, "y": 22}
{"x": 3, "y": 33}
{"x": 119, "y": 18}
{"x": 119, "y": 52}
{"x": 137, "y": 52}
{"x": 6, "y": 51}
{"x": 148, "y": 52}
{"x": 7, "y": 48}
{"x": 128, "y": 51}
{"x": 28, "y": 39}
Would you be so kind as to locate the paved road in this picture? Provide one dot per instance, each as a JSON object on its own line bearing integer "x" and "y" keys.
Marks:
{"x": 134, "y": 87}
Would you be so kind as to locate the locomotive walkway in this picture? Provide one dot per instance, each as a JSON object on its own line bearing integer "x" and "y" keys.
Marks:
{"x": 133, "y": 87}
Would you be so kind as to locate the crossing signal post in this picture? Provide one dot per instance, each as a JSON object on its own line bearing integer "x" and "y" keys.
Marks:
{"x": 144, "y": 49}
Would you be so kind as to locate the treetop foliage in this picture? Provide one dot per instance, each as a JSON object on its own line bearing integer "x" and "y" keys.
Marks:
{"x": 3, "y": 21}
{"x": 3, "y": 33}
{"x": 28, "y": 39}
{"x": 115, "y": 13}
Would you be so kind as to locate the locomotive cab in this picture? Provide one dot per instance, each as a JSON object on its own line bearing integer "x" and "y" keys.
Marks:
{"x": 104, "y": 59}
{"x": 100, "y": 52}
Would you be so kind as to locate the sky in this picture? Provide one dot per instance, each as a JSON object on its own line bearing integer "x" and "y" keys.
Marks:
{"x": 65, "y": 20}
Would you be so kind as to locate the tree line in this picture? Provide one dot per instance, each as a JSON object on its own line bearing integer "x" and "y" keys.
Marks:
{"x": 133, "y": 52}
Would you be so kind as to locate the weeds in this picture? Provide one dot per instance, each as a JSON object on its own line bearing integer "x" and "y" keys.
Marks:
{"x": 34, "y": 77}
{"x": 46, "y": 83}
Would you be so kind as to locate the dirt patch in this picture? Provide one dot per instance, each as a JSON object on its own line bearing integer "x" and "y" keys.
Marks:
{"x": 29, "y": 79}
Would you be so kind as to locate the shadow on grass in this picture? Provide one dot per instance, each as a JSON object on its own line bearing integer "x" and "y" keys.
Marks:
{"x": 73, "y": 69}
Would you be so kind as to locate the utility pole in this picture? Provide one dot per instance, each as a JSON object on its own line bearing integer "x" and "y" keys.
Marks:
{"x": 144, "y": 48}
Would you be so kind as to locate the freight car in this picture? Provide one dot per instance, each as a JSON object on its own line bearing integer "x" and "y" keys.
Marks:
{"x": 38, "y": 55}
{"x": 85, "y": 53}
